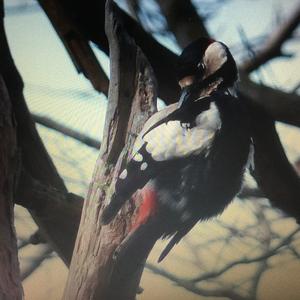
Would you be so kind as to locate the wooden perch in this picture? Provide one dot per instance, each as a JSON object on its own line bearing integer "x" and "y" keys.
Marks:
{"x": 93, "y": 272}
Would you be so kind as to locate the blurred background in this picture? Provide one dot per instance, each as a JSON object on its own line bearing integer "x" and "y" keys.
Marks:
{"x": 252, "y": 251}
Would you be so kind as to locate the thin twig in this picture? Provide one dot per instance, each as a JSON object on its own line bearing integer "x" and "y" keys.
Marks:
{"x": 49, "y": 123}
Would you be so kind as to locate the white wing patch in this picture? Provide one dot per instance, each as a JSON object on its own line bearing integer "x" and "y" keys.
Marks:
{"x": 171, "y": 140}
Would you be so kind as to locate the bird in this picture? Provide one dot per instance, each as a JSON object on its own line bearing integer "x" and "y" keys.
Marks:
{"x": 189, "y": 160}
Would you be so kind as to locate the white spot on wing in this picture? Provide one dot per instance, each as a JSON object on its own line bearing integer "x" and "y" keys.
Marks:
{"x": 144, "y": 166}
{"x": 123, "y": 175}
{"x": 138, "y": 157}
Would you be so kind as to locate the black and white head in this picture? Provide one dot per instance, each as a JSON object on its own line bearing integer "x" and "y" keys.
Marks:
{"x": 205, "y": 65}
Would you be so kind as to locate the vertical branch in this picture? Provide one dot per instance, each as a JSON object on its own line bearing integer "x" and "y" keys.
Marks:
{"x": 10, "y": 284}
{"x": 131, "y": 101}
{"x": 36, "y": 160}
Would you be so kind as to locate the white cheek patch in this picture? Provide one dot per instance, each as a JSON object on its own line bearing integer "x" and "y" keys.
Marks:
{"x": 215, "y": 57}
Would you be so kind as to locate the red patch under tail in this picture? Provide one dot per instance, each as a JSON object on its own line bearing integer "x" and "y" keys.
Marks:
{"x": 147, "y": 208}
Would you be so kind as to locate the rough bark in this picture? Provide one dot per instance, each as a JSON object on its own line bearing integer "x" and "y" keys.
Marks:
{"x": 34, "y": 157}
{"x": 94, "y": 274}
{"x": 77, "y": 46}
{"x": 10, "y": 283}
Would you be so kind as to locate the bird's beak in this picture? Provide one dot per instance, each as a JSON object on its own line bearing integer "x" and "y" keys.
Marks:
{"x": 187, "y": 96}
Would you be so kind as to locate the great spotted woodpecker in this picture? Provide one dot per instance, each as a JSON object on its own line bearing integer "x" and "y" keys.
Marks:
{"x": 190, "y": 157}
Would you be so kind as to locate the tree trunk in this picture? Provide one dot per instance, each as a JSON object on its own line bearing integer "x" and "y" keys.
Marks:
{"x": 94, "y": 274}
{"x": 10, "y": 284}
{"x": 50, "y": 216}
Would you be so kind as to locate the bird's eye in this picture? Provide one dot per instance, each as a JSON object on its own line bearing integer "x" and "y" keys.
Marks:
{"x": 201, "y": 66}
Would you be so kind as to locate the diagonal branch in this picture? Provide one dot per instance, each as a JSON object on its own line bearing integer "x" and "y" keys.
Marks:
{"x": 272, "y": 47}
{"x": 177, "y": 12}
{"x": 63, "y": 129}
{"x": 76, "y": 44}
{"x": 36, "y": 262}
{"x": 275, "y": 176}
{"x": 191, "y": 286}
{"x": 281, "y": 106}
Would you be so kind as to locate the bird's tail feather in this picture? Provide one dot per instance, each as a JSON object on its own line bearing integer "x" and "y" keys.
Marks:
{"x": 176, "y": 239}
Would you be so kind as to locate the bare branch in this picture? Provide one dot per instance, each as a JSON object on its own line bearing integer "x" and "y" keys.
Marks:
{"x": 49, "y": 123}
{"x": 91, "y": 17}
{"x": 274, "y": 174}
{"x": 272, "y": 47}
{"x": 88, "y": 15}
{"x": 190, "y": 286}
{"x": 77, "y": 46}
{"x": 37, "y": 238}
{"x": 183, "y": 20}
{"x": 36, "y": 262}
{"x": 63, "y": 207}
{"x": 37, "y": 163}
{"x": 281, "y": 106}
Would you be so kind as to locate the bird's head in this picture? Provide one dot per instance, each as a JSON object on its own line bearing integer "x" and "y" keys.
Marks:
{"x": 203, "y": 67}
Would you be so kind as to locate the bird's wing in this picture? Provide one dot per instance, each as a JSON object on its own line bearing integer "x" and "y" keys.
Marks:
{"x": 171, "y": 139}
{"x": 152, "y": 152}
